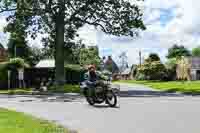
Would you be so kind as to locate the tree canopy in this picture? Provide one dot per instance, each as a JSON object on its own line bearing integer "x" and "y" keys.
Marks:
{"x": 153, "y": 57}
{"x": 61, "y": 19}
{"x": 89, "y": 56}
{"x": 178, "y": 51}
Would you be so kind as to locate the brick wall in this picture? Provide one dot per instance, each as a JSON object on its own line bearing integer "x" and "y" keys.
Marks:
{"x": 3, "y": 55}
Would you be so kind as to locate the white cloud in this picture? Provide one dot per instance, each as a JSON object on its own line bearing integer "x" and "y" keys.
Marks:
{"x": 155, "y": 14}
{"x": 37, "y": 41}
{"x": 183, "y": 28}
{"x": 190, "y": 16}
{"x": 3, "y": 37}
{"x": 160, "y": 4}
{"x": 88, "y": 34}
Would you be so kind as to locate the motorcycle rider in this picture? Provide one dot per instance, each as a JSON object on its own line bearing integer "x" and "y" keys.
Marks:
{"x": 92, "y": 78}
{"x": 96, "y": 79}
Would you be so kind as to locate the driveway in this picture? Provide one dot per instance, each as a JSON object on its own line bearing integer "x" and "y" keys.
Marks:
{"x": 141, "y": 110}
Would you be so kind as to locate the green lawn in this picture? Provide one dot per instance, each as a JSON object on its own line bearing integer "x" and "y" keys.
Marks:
{"x": 14, "y": 122}
{"x": 16, "y": 91}
{"x": 171, "y": 86}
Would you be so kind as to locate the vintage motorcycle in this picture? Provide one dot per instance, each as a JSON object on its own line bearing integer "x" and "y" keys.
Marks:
{"x": 103, "y": 92}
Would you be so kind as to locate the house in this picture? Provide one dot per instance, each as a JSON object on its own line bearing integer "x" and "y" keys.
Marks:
{"x": 194, "y": 67}
{"x": 191, "y": 68}
{"x": 126, "y": 74}
{"x": 48, "y": 63}
{"x": 3, "y": 53}
{"x": 111, "y": 66}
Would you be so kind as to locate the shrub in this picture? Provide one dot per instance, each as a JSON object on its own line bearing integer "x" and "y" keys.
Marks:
{"x": 74, "y": 67}
{"x": 152, "y": 71}
{"x": 65, "y": 89}
{"x": 16, "y": 63}
{"x": 140, "y": 76}
{"x": 13, "y": 64}
{"x": 74, "y": 73}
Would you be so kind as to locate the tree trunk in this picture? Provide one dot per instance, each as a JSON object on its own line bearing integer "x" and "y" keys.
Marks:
{"x": 59, "y": 53}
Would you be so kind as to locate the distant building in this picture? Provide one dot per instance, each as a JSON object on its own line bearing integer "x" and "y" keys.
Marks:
{"x": 126, "y": 74}
{"x": 111, "y": 65}
{"x": 194, "y": 68}
{"x": 48, "y": 63}
{"x": 3, "y": 53}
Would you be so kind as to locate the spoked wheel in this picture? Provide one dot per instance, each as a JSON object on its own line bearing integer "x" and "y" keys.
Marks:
{"x": 111, "y": 98}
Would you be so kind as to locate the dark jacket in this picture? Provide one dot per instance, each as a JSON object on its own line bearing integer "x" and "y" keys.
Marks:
{"x": 94, "y": 77}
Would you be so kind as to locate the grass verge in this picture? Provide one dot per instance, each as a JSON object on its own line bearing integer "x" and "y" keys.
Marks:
{"x": 53, "y": 89}
{"x": 171, "y": 86}
{"x": 14, "y": 122}
{"x": 16, "y": 91}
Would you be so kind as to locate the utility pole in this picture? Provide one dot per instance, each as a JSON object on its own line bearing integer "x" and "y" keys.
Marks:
{"x": 15, "y": 51}
{"x": 123, "y": 57}
{"x": 140, "y": 57}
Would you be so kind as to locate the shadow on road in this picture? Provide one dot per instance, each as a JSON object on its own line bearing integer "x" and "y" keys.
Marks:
{"x": 52, "y": 98}
{"x": 104, "y": 106}
{"x": 149, "y": 93}
{"x": 46, "y": 98}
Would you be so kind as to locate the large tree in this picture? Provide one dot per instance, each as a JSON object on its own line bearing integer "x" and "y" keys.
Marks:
{"x": 178, "y": 51}
{"x": 65, "y": 17}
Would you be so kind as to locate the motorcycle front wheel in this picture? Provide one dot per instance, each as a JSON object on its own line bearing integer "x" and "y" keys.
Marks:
{"x": 111, "y": 98}
{"x": 89, "y": 99}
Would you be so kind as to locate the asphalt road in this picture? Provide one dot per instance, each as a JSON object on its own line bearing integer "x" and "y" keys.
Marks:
{"x": 140, "y": 110}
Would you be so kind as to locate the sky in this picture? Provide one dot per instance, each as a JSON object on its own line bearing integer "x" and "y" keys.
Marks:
{"x": 167, "y": 21}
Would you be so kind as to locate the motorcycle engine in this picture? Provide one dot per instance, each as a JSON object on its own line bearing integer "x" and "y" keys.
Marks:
{"x": 99, "y": 89}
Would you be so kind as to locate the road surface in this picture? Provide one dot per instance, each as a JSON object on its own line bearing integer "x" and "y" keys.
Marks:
{"x": 141, "y": 110}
